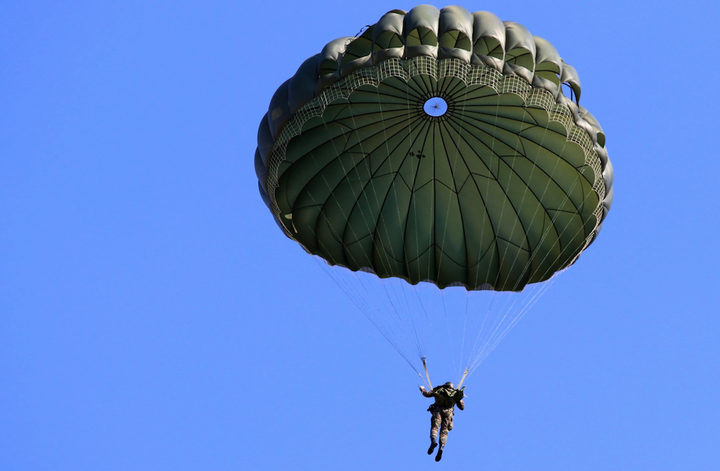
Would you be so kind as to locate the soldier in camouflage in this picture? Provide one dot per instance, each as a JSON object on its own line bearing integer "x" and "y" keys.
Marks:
{"x": 446, "y": 397}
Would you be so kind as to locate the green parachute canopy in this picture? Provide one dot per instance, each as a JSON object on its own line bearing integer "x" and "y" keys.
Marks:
{"x": 438, "y": 146}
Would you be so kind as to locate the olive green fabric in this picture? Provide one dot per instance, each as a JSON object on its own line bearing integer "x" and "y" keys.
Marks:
{"x": 447, "y": 397}
{"x": 506, "y": 187}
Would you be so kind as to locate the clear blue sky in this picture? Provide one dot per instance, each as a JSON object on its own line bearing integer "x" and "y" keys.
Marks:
{"x": 153, "y": 317}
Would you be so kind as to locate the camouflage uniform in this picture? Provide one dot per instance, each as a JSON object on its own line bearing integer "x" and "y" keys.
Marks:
{"x": 446, "y": 397}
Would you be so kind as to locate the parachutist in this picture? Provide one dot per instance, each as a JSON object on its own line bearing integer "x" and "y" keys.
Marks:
{"x": 442, "y": 410}
{"x": 364, "y": 207}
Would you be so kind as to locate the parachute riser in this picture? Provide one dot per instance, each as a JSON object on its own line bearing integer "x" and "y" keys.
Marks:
{"x": 463, "y": 378}
{"x": 426, "y": 372}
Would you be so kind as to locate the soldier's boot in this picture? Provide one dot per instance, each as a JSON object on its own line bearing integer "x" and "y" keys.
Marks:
{"x": 438, "y": 457}
{"x": 433, "y": 444}
{"x": 443, "y": 437}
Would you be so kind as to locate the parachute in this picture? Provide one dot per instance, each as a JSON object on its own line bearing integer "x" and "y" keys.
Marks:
{"x": 437, "y": 153}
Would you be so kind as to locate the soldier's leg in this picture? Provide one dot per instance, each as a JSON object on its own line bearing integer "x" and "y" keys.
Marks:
{"x": 444, "y": 424}
{"x": 443, "y": 435}
{"x": 435, "y": 422}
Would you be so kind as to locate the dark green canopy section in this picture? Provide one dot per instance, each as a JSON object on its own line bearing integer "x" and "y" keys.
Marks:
{"x": 437, "y": 146}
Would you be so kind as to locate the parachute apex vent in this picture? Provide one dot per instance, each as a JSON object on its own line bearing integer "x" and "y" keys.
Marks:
{"x": 435, "y": 106}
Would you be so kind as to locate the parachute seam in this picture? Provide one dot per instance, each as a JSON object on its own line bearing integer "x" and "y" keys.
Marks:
{"x": 404, "y": 259}
{"x": 549, "y": 177}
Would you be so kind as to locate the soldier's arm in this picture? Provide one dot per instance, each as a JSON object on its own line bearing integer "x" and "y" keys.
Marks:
{"x": 425, "y": 392}
{"x": 461, "y": 405}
